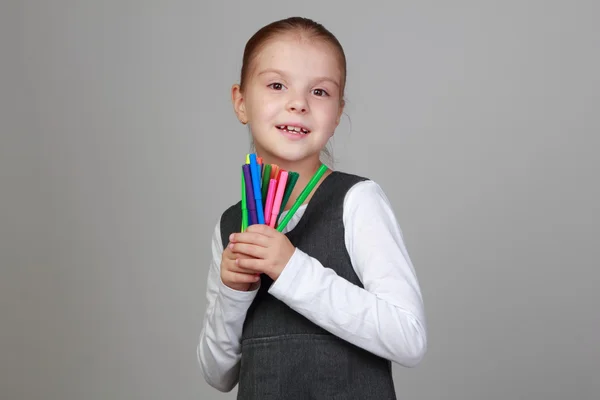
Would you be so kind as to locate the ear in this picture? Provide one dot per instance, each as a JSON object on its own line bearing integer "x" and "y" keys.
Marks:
{"x": 340, "y": 112}
{"x": 239, "y": 106}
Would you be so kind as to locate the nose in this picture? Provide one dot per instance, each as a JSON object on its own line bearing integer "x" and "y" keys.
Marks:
{"x": 298, "y": 104}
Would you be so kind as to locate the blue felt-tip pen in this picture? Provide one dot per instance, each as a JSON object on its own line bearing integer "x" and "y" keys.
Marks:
{"x": 254, "y": 169}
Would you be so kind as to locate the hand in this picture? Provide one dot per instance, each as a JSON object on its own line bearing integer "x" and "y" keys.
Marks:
{"x": 266, "y": 249}
{"x": 235, "y": 277}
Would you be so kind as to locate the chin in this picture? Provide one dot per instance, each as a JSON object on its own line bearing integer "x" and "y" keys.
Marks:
{"x": 288, "y": 155}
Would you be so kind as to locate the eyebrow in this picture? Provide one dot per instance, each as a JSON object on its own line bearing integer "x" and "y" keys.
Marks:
{"x": 280, "y": 72}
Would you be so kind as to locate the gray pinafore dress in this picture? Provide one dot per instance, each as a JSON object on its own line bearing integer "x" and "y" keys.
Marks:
{"x": 284, "y": 355}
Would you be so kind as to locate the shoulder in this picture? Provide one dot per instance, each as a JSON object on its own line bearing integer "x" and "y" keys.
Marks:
{"x": 361, "y": 188}
{"x": 366, "y": 200}
{"x": 366, "y": 190}
{"x": 370, "y": 222}
{"x": 231, "y": 210}
{"x": 348, "y": 179}
{"x": 363, "y": 195}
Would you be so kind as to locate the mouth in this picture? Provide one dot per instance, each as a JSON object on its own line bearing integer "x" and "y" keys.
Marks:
{"x": 299, "y": 130}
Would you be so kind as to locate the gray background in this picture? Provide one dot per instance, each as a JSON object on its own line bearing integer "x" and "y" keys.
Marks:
{"x": 479, "y": 119}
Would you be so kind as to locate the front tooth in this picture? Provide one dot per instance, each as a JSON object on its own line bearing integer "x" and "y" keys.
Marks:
{"x": 291, "y": 128}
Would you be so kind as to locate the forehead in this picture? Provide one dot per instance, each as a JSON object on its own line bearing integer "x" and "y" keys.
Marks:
{"x": 299, "y": 56}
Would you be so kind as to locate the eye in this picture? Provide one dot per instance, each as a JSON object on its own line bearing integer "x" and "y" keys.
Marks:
{"x": 320, "y": 92}
{"x": 276, "y": 86}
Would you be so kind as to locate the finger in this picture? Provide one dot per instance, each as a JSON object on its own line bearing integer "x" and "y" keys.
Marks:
{"x": 251, "y": 238}
{"x": 249, "y": 249}
{"x": 236, "y": 277}
{"x": 254, "y": 265}
{"x": 234, "y": 267}
{"x": 228, "y": 254}
{"x": 262, "y": 229}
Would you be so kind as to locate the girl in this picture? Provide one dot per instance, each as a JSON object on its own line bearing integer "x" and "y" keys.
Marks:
{"x": 320, "y": 310}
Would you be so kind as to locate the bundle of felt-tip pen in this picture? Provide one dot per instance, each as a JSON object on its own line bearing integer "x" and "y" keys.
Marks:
{"x": 266, "y": 189}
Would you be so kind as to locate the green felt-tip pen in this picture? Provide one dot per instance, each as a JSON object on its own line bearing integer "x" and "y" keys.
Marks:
{"x": 265, "y": 181}
{"x": 307, "y": 190}
{"x": 244, "y": 205}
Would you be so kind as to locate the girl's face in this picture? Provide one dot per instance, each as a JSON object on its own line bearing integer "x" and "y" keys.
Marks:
{"x": 292, "y": 99}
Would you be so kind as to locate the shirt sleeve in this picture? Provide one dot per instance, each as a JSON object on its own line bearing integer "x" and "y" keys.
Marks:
{"x": 219, "y": 347}
{"x": 386, "y": 317}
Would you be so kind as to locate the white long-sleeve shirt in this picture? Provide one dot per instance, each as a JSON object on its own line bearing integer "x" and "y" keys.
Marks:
{"x": 386, "y": 317}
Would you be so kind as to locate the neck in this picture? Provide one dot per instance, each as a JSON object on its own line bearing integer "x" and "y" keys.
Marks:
{"x": 306, "y": 170}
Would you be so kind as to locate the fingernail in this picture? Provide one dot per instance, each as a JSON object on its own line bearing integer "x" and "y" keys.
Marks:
{"x": 231, "y": 237}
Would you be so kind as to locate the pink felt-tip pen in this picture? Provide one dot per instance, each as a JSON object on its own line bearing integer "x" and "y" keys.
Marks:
{"x": 278, "y": 198}
{"x": 270, "y": 197}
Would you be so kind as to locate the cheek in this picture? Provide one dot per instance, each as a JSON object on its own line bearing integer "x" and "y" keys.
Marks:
{"x": 265, "y": 110}
{"x": 328, "y": 113}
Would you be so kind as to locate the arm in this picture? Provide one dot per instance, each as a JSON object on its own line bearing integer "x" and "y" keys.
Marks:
{"x": 219, "y": 348}
{"x": 387, "y": 316}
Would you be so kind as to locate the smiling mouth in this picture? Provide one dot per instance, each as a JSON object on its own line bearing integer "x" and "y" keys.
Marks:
{"x": 293, "y": 129}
